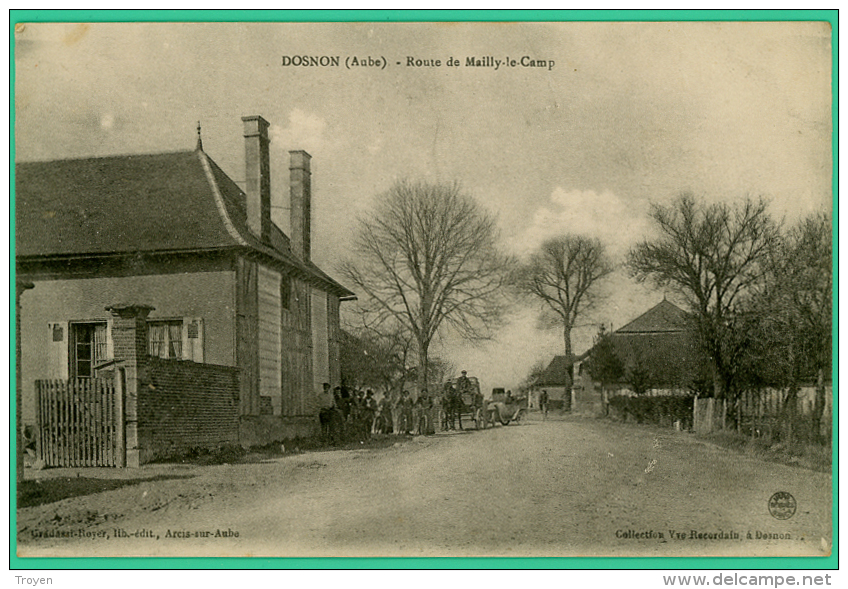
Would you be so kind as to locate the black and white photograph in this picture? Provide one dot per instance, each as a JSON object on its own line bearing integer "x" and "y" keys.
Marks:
{"x": 424, "y": 289}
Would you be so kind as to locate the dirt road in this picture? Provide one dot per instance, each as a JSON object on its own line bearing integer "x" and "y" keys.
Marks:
{"x": 555, "y": 488}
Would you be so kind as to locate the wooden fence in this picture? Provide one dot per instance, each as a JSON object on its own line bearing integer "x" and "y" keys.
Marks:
{"x": 763, "y": 413}
{"x": 80, "y": 422}
{"x": 760, "y": 411}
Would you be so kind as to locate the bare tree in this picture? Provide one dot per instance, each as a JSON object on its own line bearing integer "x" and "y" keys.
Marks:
{"x": 377, "y": 355}
{"x": 565, "y": 275}
{"x": 532, "y": 376}
{"x": 535, "y": 373}
{"x": 715, "y": 256}
{"x": 441, "y": 371}
{"x": 428, "y": 257}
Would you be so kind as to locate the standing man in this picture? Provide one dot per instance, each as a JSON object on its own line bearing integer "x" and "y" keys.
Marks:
{"x": 464, "y": 392}
{"x": 325, "y": 400}
{"x": 405, "y": 408}
{"x": 332, "y": 423}
{"x": 371, "y": 411}
{"x": 447, "y": 406}
{"x": 543, "y": 404}
{"x": 386, "y": 423}
{"x": 463, "y": 384}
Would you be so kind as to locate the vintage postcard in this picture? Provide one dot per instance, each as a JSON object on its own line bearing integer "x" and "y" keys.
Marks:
{"x": 534, "y": 289}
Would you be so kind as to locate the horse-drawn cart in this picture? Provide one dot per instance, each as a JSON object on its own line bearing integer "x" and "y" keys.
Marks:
{"x": 462, "y": 398}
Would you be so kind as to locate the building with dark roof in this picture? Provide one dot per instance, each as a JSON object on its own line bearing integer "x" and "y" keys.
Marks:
{"x": 660, "y": 343}
{"x": 172, "y": 231}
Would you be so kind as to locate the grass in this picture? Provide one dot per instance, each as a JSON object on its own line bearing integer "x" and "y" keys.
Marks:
{"x": 818, "y": 457}
{"x": 806, "y": 455}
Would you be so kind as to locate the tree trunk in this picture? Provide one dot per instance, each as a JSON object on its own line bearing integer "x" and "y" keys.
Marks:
{"x": 789, "y": 413}
{"x": 718, "y": 381}
{"x": 818, "y": 409}
{"x": 569, "y": 367}
{"x": 423, "y": 366}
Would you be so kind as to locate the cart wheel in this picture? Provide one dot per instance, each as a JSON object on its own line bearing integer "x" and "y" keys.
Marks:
{"x": 443, "y": 420}
{"x": 478, "y": 420}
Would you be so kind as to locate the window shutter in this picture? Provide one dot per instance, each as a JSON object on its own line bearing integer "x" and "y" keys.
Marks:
{"x": 57, "y": 350}
{"x": 110, "y": 344}
{"x": 193, "y": 339}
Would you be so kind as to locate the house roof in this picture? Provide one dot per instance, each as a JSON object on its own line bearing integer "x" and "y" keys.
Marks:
{"x": 664, "y": 317}
{"x": 671, "y": 358}
{"x": 167, "y": 202}
{"x": 657, "y": 340}
{"x": 554, "y": 374}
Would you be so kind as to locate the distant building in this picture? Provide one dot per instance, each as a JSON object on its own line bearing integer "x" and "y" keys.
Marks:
{"x": 553, "y": 380}
{"x": 174, "y": 233}
{"x": 660, "y": 343}
{"x": 663, "y": 343}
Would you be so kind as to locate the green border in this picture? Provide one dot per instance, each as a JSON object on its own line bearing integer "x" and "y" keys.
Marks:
{"x": 831, "y": 16}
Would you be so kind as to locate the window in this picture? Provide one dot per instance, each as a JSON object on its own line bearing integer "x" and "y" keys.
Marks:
{"x": 166, "y": 339}
{"x": 89, "y": 348}
{"x": 176, "y": 339}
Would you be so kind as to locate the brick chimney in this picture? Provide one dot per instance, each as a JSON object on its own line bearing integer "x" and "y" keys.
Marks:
{"x": 300, "y": 185}
{"x": 257, "y": 167}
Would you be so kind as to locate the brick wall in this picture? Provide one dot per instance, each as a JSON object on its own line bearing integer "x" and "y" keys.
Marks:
{"x": 185, "y": 405}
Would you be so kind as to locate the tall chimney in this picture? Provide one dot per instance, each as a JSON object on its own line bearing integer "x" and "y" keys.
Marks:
{"x": 257, "y": 166}
{"x": 300, "y": 184}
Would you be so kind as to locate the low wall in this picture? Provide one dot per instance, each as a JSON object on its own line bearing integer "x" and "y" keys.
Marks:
{"x": 184, "y": 405}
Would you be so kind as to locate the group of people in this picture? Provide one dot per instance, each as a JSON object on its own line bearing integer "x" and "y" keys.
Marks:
{"x": 413, "y": 417}
{"x": 356, "y": 414}
{"x": 350, "y": 416}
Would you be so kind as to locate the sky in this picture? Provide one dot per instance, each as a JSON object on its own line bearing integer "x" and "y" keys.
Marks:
{"x": 628, "y": 114}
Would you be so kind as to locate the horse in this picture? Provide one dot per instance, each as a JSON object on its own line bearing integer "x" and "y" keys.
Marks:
{"x": 452, "y": 408}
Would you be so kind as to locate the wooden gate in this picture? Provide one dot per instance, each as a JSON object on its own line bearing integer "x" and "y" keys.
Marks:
{"x": 80, "y": 422}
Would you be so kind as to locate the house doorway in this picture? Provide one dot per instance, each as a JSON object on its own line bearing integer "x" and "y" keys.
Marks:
{"x": 89, "y": 348}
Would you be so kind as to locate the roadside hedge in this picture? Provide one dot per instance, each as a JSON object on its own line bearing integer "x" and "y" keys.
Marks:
{"x": 662, "y": 411}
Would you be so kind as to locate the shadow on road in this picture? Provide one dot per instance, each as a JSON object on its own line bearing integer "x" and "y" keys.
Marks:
{"x": 42, "y": 491}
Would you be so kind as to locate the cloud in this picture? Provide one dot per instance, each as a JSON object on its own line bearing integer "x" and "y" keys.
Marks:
{"x": 618, "y": 222}
{"x": 304, "y": 131}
